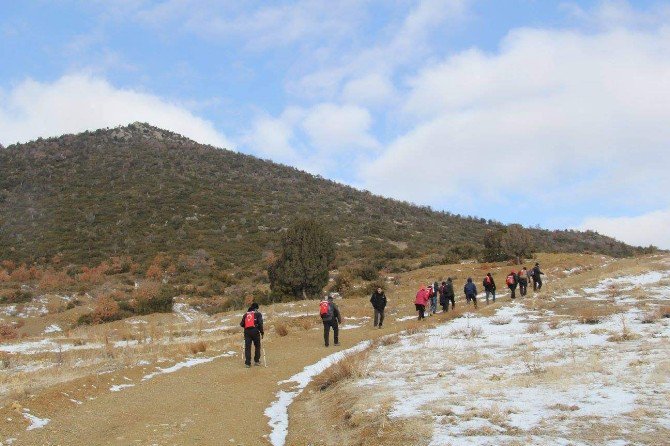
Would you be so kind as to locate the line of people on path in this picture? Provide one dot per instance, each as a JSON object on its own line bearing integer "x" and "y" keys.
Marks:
{"x": 252, "y": 320}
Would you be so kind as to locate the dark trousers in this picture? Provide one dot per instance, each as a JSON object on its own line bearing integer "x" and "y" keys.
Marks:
{"x": 379, "y": 317}
{"x": 523, "y": 287}
{"x": 453, "y": 301}
{"x": 252, "y": 335}
{"x": 421, "y": 309}
{"x": 512, "y": 289}
{"x": 326, "y": 331}
{"x": 537, "y": 284}
{"x": 472, "y": 298}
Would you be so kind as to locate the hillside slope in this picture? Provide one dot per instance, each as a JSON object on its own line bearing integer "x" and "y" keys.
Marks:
{"x": 139, "y": 190}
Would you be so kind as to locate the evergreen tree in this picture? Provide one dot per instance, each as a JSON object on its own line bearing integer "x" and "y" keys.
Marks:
{"x": 301, "y": 269}
{"x": 517, "y": 243}
{"x": 493, "y": 250}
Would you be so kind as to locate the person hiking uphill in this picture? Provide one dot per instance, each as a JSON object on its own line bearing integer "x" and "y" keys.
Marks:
{"x": 447, "y": 295}
{"x": 523, "y": 281}
{"x": 511, "y": 281}
{"x": 470, "y": 290}
{"x": 433, "y": 297}
{"x": 422, "y": 298}
{"x": 252, "y": 322}
{"x": 537, "y": 277}
{"x": 489, "y": 287}
{"x": 378, "y": 301}
{"x": 330, "y": 315}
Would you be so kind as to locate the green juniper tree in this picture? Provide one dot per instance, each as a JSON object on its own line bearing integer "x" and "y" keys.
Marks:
{"x": 301, "y": 268}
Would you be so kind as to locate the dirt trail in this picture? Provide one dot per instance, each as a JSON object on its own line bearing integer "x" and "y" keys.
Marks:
{"x": 210, "y": 404}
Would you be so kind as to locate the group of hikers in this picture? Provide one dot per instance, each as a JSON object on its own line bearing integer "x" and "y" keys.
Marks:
{"x": 252, "y": 320}
{"x": 428, "y": 295}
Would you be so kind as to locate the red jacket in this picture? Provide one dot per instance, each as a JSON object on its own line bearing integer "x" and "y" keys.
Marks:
{"x": 422, "y": 297}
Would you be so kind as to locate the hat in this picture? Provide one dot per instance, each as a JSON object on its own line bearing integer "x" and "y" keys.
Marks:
{"x": 330, "y": 297}
{"x": 254, "y": 306}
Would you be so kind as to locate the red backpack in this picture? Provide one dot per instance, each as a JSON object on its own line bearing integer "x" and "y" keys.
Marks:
{"x": 510, "y": 280}
{"x": 487, "y": 279}
{"x": 250, "y": 319}
{"x": 324, "y": 306}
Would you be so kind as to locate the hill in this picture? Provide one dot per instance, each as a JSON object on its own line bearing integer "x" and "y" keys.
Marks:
{"x": 139, "y": 190}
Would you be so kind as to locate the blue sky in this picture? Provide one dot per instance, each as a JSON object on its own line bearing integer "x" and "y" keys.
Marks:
{"x": 539, "y": 112}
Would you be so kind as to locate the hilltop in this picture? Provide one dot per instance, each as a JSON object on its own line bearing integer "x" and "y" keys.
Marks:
{"x": 139, "y": 190}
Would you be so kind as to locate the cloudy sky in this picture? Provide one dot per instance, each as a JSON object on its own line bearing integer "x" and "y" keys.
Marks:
{"x": 544, "y": 112}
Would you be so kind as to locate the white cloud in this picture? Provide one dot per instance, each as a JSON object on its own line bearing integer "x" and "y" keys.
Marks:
{"x": 642, "y": 230}
{"x": 75, "y": 103}
{"x": 333, "y": 127}
{"x": 566, "y": 116}
{"x": 370, "y": 89}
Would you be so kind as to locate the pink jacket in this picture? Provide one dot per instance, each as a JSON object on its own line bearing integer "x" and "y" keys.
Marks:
{"x": 422, "y": 297}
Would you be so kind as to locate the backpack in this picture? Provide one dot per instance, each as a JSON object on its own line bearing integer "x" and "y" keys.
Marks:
{"x": 250, "y": 319}
{"x": 324, "y": 309}
{"x": 510, "y": 280}
{"x": 487, "y": 280}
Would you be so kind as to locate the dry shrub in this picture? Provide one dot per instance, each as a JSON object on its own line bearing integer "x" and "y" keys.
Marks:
{"x": 352, "y": 366}
{"x": 5, "y": 360}
{"x": 591, "y": 315}
{"x": 198, "y": 347}
{"x": 534, "y": 328}
{"x": 304, "y": 322}
{"x": 554, "y": 323}
{"x": 8, "y": 265}
{"x": 4, "y": 276}
{"x": 501, "y": 320}
{"x": 20, "y": 274}
{"x": 94, "y": 275}
{"x": 8, "y": 332}
{"x": 55, "y": 307}
{"x": 414, "y": 327}
{"x": 564, "y": 407}
{"x": 625, "y": 334}
{"x": 54, "y": 280}
{"x": 106, "y": 310}
{"x": 155, "y": 272}
{"x": 281, "y": 329}
{"x": 650, "y": 317}
{"x": 664, "y": 311}
{"x": 388, "y": 340}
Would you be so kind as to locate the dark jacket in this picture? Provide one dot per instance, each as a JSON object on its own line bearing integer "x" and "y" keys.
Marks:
{"x": 537, "y": 273}
{"x": 258, "y": 321}
{"x": 470, "y": 289}
{"x": 378, "y": 301}
{"x": 447, "y": 291}
{"x": 489, "y": 286}
{"x": 334, "y": 314}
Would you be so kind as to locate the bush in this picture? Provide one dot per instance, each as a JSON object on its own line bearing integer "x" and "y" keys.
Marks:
{"x": 52, "y": 280}
{"x": 7, "y": 332}
{"x": 153, "y": 298}
{"x": 17, "y": 297}
{"x": 106, "y": 310}
{"x": 342, "y": 283}
{"x": 4, "y": 276}
{"x": 85, "y": 319}
{"x": 20, "y": 274}
{"x": 368, "y": 272}
{"x": 198, "y": 347}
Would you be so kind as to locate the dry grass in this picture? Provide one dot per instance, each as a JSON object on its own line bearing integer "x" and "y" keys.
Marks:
{"x": 198, "y": 347}
{"x": 352, "y": 366}
{"x": 664, "y": 311}
{"x": 554, "y": 323}
{"x": 304, "y": 322}
{"x": 501, "y": 320}
{"x": 414, "y": 327}
{"x": 281, "y": 328}
{"x": 534, "y": 328}
{"x": 650, "y": 317}
{"x": 591, "y": 314}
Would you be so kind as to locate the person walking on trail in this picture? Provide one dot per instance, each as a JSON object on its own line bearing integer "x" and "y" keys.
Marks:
{"x": 378, "y": 301}
{"x": 489, "y": 287}
{"x": 448, "y": 292}
{"x": 511, "y": 281}
{"x": 422, "y": 298}
{"x": 330, "y": 315}
{"x": 470, "y": 290}
{"x": 252, "y": 322}
{"x": 537, "y": 279}
{"x": 444, "y": 303}
{"x": 523, "y": 281}
{"x": 433, "y": 298}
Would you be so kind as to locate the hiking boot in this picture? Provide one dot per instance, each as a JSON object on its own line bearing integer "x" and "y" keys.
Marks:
{"x": 257, "y": 364}
{"x": 247, "y": 366}
{"x": 337, "y": 343}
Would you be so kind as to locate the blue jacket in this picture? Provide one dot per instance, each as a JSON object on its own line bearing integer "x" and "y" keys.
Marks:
{"x": 470, "y": 289}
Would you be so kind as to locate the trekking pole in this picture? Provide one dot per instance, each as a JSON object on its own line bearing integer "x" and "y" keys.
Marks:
{"x": 265, "y": 359}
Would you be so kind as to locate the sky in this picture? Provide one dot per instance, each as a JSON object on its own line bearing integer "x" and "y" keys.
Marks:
{"x": 539, "y": 112}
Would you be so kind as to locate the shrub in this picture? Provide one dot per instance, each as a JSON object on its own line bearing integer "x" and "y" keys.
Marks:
{"x": 352, "y": 366}
{"x": 342, "y": 283}
{"x": 52, "y": 280}
{"x": 106, "y": 310}
{"x": 85, "y": 319}
{"x": 281, "y": 329}
{"x": 590, "y": 315}
{"x": 94, "y": 275}
{"x": 198, "y": 347}
{"x": 4, "y": 276}
{"x": 20, "y": 274}
{"x": 151, "y": 297}
{"x": 533, "y": 328}
{"x": 665, "y": 311}
{"x": 7, "y": 332}
{"x": 17, "y": 297}
{"x": 368, "y": 272}
{"x": 501, "y": 320}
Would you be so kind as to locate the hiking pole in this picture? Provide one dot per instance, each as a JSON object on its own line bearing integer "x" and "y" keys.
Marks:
{"x": 265, "y": 359}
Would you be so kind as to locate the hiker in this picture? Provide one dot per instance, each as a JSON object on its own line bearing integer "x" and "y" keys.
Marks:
{"x": 523, "y": 281}
{"x": 330, "y": 315}
{"x": 537, "y": 279}
{"x": 422, "y": 298}
{"x": 448, "y": 292}
{"x": 470, "y": 290}
{"x": 378, "y": 301}
{"x": 433, "y": 298}
{"x": 444, "y": 302}
{"x": 252, "y": 322}
{"x": 489, "y": 287}
{"x": 511, "y": 281}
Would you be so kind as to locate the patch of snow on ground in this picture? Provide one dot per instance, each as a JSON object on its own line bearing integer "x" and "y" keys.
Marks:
{"x": 185, "y": 364}
{"x": 628, "y": 282}
{"x": 278, "y": 410}
{"x": 35, "y": 422}
{"x": 120, "y": 387}
{"x": 53, "y": 328}
{"x": 185, "y": 311}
